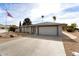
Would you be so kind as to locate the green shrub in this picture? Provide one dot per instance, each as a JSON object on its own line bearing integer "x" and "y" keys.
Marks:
{"x": 12, "y": 28}
{"x": 70, "y": 29}
{"x": 2, "y": 27}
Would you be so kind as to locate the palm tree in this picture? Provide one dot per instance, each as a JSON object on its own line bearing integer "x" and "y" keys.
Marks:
{"x": 54, "y": 18}
{"x": 42, "y": 17}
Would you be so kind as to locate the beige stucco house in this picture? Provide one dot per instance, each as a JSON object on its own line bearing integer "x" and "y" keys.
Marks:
{"x": 45, "y": 28}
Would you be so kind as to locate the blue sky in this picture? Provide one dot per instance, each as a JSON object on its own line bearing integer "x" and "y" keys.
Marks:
{"x": 65, "y": 12}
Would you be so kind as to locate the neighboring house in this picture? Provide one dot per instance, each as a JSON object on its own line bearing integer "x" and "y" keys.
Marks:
{"x": 46, "y": 28}
{"x": 4, "y": 26}
{"x": 1, "y": 26}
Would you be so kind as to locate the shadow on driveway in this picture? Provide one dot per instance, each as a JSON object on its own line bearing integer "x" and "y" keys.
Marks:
{"x": 55, "y": 38}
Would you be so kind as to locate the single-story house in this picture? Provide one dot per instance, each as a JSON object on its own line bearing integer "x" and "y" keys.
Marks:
{"x": 45, "y": 28}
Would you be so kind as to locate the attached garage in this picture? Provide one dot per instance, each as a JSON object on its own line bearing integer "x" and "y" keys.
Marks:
{"x": 49, "y": 30}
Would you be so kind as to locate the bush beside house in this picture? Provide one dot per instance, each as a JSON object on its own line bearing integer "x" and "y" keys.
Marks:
{"x": 72, "y": 27}
{"x": 12, "y": 28}
{"x": 69, "y": 28}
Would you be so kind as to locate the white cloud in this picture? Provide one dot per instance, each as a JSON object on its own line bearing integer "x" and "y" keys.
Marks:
{"x": 45, "y": 9}
{"x": 13, "y": 21}
{"x": 69, "y": 18}
{"x": 70, "y": 15}
{"x": 29, "y": 1}
{"x": 9, "y": 18}
{"x": 2, "y": 11}
{"x": 68, "y": 5}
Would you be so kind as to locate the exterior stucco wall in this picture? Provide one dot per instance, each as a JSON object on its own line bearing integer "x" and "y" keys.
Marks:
{"x": 26, "y": 29}
{"x": 44, "y": 30}
{"x": 60, "y": 30}
{"x": 22, "y": 29}
{"x": 29, "y": 29}
{"x": 36, "y": 30}
{"x": 17, "y": 30}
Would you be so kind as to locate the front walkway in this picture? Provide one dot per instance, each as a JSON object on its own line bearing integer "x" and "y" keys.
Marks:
{"x": 70, "y": 35}
{"x": 33, "y": 46}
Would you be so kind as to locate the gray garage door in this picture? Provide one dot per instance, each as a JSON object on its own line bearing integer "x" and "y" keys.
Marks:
{"x": 48, "y": 30}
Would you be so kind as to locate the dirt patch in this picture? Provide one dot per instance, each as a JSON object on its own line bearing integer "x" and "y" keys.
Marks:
{"x": 8, "y": 36}
{"x": 71, "y": 45}
{"x": 76, "y": 33}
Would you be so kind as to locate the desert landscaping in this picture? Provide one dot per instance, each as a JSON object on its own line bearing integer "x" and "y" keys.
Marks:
{"x": 4, "y": 37}
{"x": 70, "y": 45}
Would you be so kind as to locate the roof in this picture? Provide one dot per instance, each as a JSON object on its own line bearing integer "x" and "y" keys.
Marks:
{"x": 48, "y": 23}
{"x": 45, "y": 24}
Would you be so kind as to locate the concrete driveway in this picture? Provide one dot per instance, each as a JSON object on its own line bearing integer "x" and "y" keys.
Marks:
{"x": 33, "y": 46}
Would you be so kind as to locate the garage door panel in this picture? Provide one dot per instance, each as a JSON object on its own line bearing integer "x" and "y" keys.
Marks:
{"x": 48, "y": 30}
